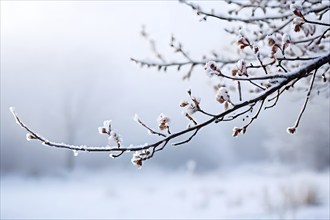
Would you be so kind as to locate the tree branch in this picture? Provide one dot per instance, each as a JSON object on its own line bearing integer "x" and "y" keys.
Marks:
{"x": 299, "y": 74}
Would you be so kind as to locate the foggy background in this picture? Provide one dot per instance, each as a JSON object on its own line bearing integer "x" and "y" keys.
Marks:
{"x": 66, "y": 68}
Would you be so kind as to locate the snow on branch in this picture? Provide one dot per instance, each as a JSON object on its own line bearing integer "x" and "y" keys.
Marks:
{"x": 287, "y": 43}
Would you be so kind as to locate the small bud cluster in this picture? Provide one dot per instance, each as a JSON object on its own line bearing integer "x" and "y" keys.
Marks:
{"x": 163, "y": 122}
{"x": 237, "y": 131}
{"x": 242, "y": 42}
{"x": 192, "y": 107}
{"x": 297, "y": 10}
{"x": 274, "y": 43}
{"x": 223, "y": 97}
{"x": 240, "y": 69}
{"x": 106, "y": 129}
{"x": 291, "y": 130}
{"x": 278, "y": 42}
{"x": 115, "y": 137}
{"x": 140, "y": 156}
{"x": 211, "y": 68}
{"x": 298, "y": 23}
{"x": 189, "y": 108}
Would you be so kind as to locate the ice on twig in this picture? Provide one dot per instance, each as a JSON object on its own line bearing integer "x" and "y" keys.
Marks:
{"x": 136, "y": 118}
{"x": 12, "y": 109}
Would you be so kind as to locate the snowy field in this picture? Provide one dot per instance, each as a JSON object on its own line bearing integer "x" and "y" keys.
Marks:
{"x": 256, "y": 192}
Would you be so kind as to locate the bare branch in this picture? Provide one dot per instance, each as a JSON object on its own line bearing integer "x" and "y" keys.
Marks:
{"x": 294, "y": 128}
{"x": 299, "y": 74}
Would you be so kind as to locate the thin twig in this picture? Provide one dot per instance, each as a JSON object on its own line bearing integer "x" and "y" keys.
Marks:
{"x": 299, "y": 74}
{"x": 306, "y": 100}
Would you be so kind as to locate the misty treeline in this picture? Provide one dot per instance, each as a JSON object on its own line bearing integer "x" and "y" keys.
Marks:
{"x": 282, "y": 48}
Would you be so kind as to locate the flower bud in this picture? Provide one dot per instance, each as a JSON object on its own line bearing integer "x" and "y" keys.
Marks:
{"x": 236, "y": 131}
{"x": 291, "y": 130}
{"x": 222, "y": 95}
{"x": 184, "y": 104}
{"x": 297, "y": 10}
{"x": 30, "y": 137}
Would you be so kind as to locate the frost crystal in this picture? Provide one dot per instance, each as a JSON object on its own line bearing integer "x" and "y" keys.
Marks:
{"x": 75, "y": 153}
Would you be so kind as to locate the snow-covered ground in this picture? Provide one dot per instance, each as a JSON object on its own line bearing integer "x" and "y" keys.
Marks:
{"x": 255, "y": 192}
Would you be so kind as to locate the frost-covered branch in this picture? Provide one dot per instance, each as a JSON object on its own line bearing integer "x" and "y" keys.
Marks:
{"x": 147, "y": 151}
{"x": 281, "y": 45}
{"x": 177, "y": 46}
